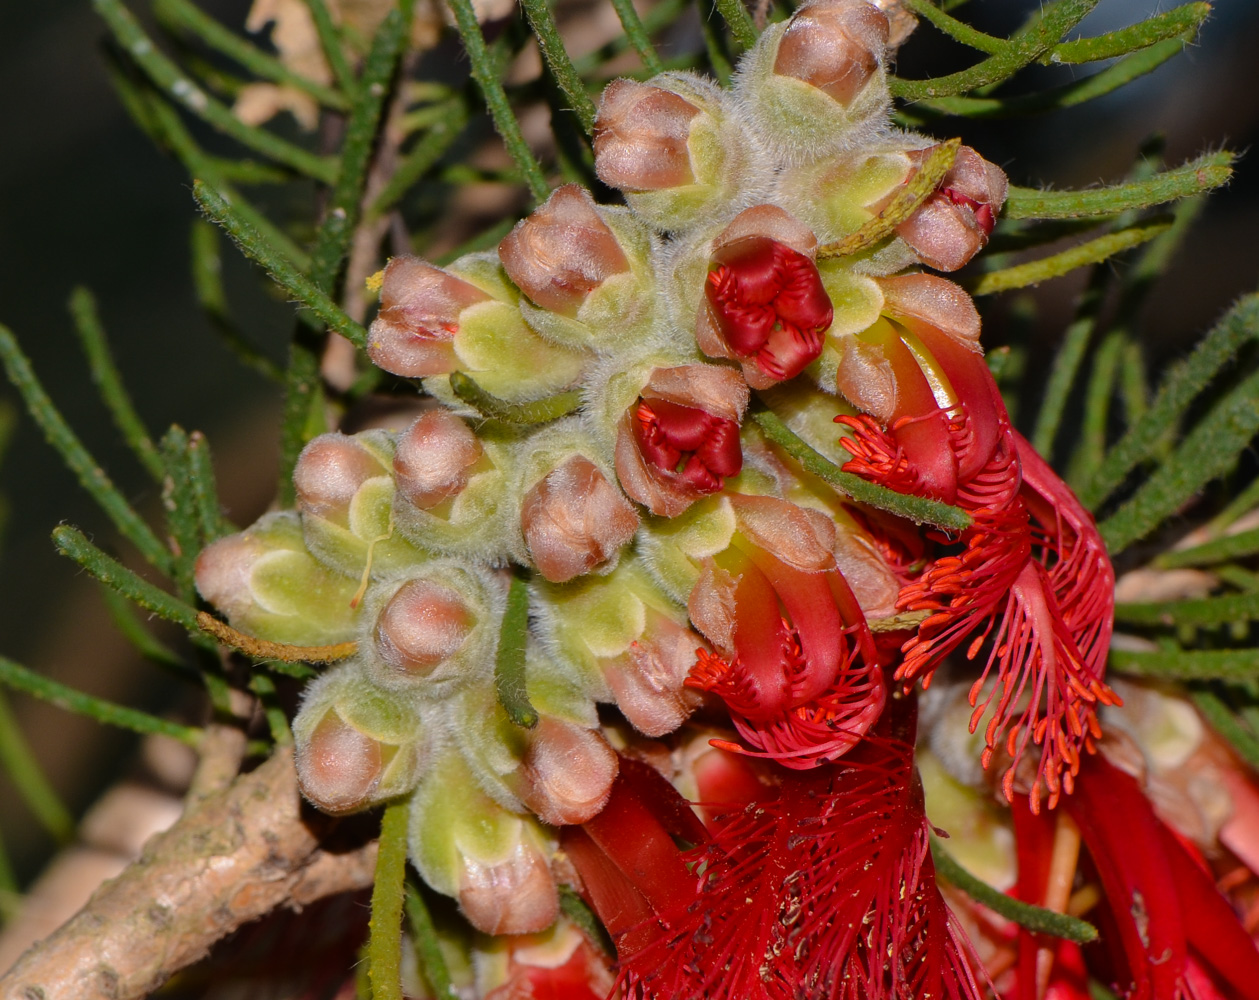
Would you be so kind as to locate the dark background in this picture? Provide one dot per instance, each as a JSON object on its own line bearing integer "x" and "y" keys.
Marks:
{"x": 85, "y": 199}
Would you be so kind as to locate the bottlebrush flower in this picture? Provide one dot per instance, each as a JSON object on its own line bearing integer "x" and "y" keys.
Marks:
{"x": 820, "y": 885}
{"x": 765, "y": 304}
{"x": 800, "y": 673}
{"x": 680, "y": 440}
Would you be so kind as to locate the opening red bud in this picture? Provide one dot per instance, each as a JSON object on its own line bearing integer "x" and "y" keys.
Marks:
{"x": 435, "y": 458}
{"x": 767, "y": 307}
{"x": 563, "y": 251}
{"x": 421, "y": 627}
{"x": 680, "y": 441}
{"x": 329, "y": 472}
{"x": 954, "y": 223}
{"x": 574, "y": 519}
{"x": 338, "y": 767}
{"x": 835, "y": 45}
{"x": 641, "y": 136}
{"x": 648, "y": 679}
{"x": 414, "y": 331}
{"x": 568, "y": 772}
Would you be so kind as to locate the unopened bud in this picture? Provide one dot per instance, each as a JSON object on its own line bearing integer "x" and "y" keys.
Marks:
{"x": 641, "y": 136}
{"x": 834, "y": 45}
{"x": 514, "y": 895}
{"x": 647, "y": 680}
{"x": 573, "y": 520}
{"x": 567, "y": 772}
{"x": 422, "y": 625}
{"x": 914, "y": 299}
{"x": 414, "y": 332}
{"x": 680, "y": 441}
{"x": 434, "y": 459}
{"x": 339, "y": 767}
{"x": 561, "y": 252}
{"x": 954, "y": 224}
{"x": 329, "y": 472}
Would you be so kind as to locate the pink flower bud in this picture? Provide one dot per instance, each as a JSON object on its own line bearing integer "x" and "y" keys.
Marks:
{"x": 641, "y": 136}
{"x": 329, "y": 472}
{"x": 338, "y": 768}
{"x": 435, "y": 458}
{"x": 835, "y": 45}
{"x": 423, "y": 625}
{"x": 574, "y": 519}
{"x": 567, "y": 772}
{"x": 414, "y": 332}
{"x": 765, "y": 303}
{"x": 563, "y": 251}
{"x": 648, "y": 679}
{"x": 680, "y": 441}
{"x": 513, "y": 896}
{"x": 954, "y": 224}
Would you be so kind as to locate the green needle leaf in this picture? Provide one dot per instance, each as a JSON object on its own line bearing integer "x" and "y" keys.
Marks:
{"x": 384, "y": 945}
{"x": 428, "y": 952}
{"x": 1238, "y": 546}
{"x": 1048, "y": 268}
{"x": 1180, "y": 22}
{"x": 1034, "y": 918}
{"x": 19, "y": 761}
{"x": 917, "y": 509}
{"x": 539, "y": 411}
{"x": 509, "y": 668}
{"x": 1188, "y": 665}
{"x": 1203, "y": 612}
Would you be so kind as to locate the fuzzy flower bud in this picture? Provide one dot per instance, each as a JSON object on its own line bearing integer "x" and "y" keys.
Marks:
{"x": 680, "y": 441}
{"x": 834, "y": 45}
{"x": 574, "y": 520}
{"x": 954, "y": 223}
{"x": 270, "y": 586}
{"x": 423, "y": 625}
{"x": 420, "y": 305}
{"x": 567, "y": 772}
{"x": 512, "y": 895}
{"x": 561, "y": 252}
{"x": 641, "y": 136}
{"x": 338, "y": 767}
{"x": 329, "y": 472}
{"x": 648, "y": 679}
{"x": 434, "y": 459}
{"x": 765, "y": 304}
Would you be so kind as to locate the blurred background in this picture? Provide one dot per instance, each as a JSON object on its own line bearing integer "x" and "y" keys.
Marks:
{"x": 85, "y": 199}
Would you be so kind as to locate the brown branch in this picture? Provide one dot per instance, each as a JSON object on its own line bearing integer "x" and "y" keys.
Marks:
{"x": 265, "y": 649}
{"x": 231, "y": 859}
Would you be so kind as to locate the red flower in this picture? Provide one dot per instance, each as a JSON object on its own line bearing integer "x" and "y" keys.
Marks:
{"x": 1031, "y": 571}
{"x": 819, "y": 885}
{"x": 769, "y": 305}
{"x": 701, "y": 447}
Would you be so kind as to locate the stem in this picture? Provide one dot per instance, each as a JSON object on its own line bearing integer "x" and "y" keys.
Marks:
{"x": 428, "y": 952}
{"x": 264, "y": 649}
{"x": 509, "y": 667}
{"x": 539, "y": 411}
{"x": 637, "y": 35}
{"x": 740, "y": 22}
{"x": 558, "y": 61}
{"x": 384, "y": 946}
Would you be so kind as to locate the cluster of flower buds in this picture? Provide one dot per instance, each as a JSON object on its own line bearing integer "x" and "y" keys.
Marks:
{"x": 587, "y": 441}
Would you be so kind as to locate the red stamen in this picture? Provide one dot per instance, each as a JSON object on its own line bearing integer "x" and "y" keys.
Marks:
{"x": 684, "y": 440}
{"x": 769, "y": 304}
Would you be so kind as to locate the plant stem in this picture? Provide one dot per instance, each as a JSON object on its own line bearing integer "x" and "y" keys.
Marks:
{"x": 509, "y": 667}
{"x": 384, "y": 946}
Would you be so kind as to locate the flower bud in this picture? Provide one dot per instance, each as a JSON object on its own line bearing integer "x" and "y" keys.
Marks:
{"x": 648, "y": 679}
{"x": 423, "y": 625}
{"x": 270, "y": 586}
{"x": 574, "y": 520}
{"x": 765, "y": 304}
{"x": 420, "y": 306}
{"x": 561, "y": 252}
{"x": 680, "y": 441}
{"x": 329, "y": 472}
{"x": 954, "y": 223}
{"x": 834, "y": 45}
{"x": 434, "y": 459}
{"x": 338, "y": 767}
{"x": 511, "y": 895}
{"x": 567, "y": 772}
{"x": 641, "y": 136}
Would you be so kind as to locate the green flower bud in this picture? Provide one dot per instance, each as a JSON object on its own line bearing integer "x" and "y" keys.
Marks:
{"x": 356, "y": 745}
{"x": 270, "y": 586}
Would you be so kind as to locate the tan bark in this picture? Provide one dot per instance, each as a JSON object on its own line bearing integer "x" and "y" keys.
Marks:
{"x": 235, "y": 856}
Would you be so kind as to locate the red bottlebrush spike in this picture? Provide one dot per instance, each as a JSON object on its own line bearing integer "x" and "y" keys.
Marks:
{"x": 768, "y": 305}
{"x": 801, "y": 677}
{"x": 680, "y": 440}
{"x": 1177, "y": 935}
{"x": 822, "y": 888}
{"x": 1032, "y": 572}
